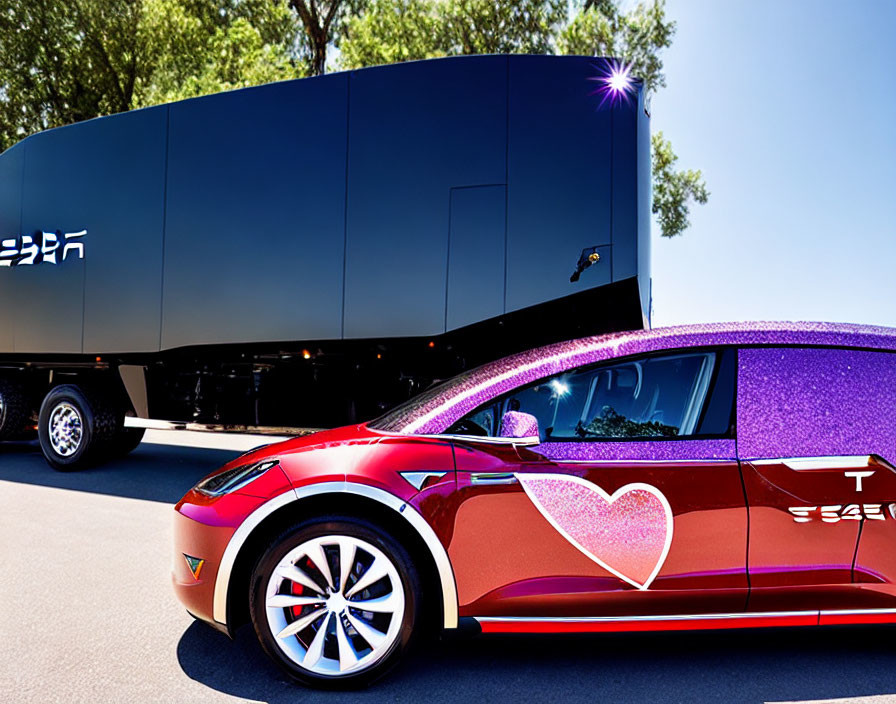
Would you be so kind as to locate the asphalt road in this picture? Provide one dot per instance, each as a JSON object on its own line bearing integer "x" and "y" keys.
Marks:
{"x": 87, "y": 615}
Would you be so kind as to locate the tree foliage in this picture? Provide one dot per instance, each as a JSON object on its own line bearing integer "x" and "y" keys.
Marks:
{"x": 637, "y": 37}
{"x": 673, "y": 191}
{"x": 63, "y": 61}
{"x": 391, "y": 31}
{"x": 404, "y": 30}
{"x": 198, "y": 47}
{"x": 515, "y": 26}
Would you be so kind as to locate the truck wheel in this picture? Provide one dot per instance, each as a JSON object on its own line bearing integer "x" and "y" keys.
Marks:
{"x": 75, "y": 426}
{"x": 126, "y": 441}
{"x": 334, "y": 602}
{"x": 15, "y": 410}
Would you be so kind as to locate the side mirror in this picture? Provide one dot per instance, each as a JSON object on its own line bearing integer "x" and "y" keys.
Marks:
{"x": 515, "y": 424}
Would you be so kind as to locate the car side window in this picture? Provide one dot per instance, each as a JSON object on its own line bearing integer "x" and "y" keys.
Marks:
{"x": 482, "y": 422}
{"x": 663, "y": 396}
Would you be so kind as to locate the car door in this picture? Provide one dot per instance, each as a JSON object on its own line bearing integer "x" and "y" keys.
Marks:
{"x": 631, "y": 503}
{"x": 813, "y": 424}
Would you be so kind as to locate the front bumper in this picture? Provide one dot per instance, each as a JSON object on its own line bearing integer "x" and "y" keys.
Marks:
{"x": 203, "y": 529}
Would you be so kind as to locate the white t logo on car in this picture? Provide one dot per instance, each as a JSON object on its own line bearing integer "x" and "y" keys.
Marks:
{"x": 859, "y": 476}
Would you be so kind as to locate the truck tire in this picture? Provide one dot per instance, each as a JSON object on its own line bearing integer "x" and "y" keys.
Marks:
{"x": 125, "y": 442}
{"x": 15, "y": 410}
{"x": 77, "y": 425}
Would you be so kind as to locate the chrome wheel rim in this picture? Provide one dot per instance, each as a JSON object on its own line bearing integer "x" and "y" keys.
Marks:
{"x": 335, "y": 605}
{"x": 66, "y": 430}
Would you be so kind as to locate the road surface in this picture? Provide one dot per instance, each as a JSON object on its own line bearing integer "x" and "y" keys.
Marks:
{"x": 87, "y": 615}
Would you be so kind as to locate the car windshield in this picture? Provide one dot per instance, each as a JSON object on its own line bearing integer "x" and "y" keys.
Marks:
{"x": 399, "y": 417}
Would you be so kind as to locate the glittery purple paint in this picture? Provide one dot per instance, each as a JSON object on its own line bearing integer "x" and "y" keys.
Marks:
{"x": 656, "y": 450}
{"x": 518, "y": 425}
{"x": 434, "y": 411}
{"x": 815, "y": 403}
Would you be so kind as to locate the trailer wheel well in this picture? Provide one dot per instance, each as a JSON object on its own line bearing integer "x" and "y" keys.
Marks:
{"x": 37, "y": 382}
{"x": 105, "y": 382}
{"x": 326, "y": 505}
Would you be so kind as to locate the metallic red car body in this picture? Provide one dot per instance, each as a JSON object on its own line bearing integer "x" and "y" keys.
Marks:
{"x": 789, "y": 518}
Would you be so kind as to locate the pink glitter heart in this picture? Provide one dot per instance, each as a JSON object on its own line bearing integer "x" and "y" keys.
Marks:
{"x": 628, "y": 533}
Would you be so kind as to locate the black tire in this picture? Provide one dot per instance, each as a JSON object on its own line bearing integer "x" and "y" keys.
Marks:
{"x": 15, "y": 410}
{"x": 340, "y": 526}
{"x": 126, "y": 440}
{"x": 99, "y": 423}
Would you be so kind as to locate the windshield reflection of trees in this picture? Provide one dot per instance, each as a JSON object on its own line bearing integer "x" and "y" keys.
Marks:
{"x": 610, "y": 424}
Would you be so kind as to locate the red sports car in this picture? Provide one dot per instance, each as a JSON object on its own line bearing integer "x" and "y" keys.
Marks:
{"x": 717, "y": 476}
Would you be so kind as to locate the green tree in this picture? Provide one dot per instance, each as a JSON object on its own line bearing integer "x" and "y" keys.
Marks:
{"x": 392, "y": 31}
{"x": 322, "y": 24}
{"x": 673, "y": 190}
{"x": 637, "y": 37}
{"x": 387, "y": 31}
{"x": 206, "y": 46}
{"x": 514, "y": 26}
{"x": 63, "y": 61}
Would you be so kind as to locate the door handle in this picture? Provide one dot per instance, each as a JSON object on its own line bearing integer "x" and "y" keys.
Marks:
{"x": 812, "y": 464}
{"x": 492, "y": 478}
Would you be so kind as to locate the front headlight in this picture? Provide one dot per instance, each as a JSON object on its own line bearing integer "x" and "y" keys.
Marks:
{"x": 233, "y": 479}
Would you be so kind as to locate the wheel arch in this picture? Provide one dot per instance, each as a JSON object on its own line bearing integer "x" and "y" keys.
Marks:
{"x": 396, "y": 516}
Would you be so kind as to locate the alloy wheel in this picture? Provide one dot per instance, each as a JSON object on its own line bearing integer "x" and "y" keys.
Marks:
{"x": 66, "y": 429}
{"x": 335, "y": 605}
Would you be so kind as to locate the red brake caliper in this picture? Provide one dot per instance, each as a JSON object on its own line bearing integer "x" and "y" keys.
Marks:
{"x": 298, "y": 590}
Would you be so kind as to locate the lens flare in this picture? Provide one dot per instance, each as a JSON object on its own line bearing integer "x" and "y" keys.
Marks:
{"x": 560, "y": 388}
{"x": 615, "y": 82}
{"x": 619, "y": 80}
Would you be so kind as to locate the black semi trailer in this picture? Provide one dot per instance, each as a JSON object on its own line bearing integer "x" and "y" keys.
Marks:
{"x": 309, "y": 253}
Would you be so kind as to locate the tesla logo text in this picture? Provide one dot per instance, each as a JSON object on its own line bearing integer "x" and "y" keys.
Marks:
{"x": 859, "y": 476}
{"x": 42, "y": 248}
{"x": 627, "y": 533}
{"x": 836, "y": 513}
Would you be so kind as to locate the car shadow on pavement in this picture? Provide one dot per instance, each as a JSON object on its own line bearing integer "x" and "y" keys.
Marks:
{"x": 151, "y": 472}
{"x": 731, "y": 666}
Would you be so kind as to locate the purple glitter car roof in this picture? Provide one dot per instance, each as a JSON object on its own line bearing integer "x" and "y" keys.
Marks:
{"x": 435, "y": 410}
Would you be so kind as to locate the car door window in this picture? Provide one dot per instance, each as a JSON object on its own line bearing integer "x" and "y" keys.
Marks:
{"x": 661, "y": 396}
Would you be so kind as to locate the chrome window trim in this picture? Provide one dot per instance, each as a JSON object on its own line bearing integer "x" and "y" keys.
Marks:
{"x": 449, "y": 437}
{"x": 532, "y": 440}
{"x": 417, "y": 522}
{"x": 699, "y": 393}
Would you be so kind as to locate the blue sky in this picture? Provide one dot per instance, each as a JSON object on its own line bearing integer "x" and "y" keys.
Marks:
{"x": 788, "y": 107}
